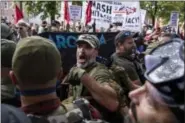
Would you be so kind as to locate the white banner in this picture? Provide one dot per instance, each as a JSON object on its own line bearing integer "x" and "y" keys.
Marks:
{"x": 143, "y": 15}
{"x": 127, "y": 13}
{"x": 174, "y": 19}
{"x": 101, "y": 12}
{"x": 106, "y": 13}
{"x": 75, "y": 12}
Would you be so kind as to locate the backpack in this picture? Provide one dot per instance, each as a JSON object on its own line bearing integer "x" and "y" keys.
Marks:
{"x": 80, "y": 113}
{"x": 120, "y": 76}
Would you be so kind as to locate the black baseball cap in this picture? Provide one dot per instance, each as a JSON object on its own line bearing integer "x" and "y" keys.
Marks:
{"x": 121, "y": 36}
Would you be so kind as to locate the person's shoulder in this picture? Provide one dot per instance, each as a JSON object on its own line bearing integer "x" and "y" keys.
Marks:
{"x": 100, "y": 67}
{"x": 100, "y": 71}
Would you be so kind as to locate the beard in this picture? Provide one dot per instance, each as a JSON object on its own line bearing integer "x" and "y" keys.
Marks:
{"x": 86, "y": 64}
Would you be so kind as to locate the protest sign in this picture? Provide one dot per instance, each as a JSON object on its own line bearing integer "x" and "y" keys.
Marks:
{"x": 75, "y": 12}
{"x": 127, "y": 13}
{"x": 174, "y": 19}
{"x": 101, "y": 12}
{"x": 143, "y": 15}
{"x": 65, "y": 42}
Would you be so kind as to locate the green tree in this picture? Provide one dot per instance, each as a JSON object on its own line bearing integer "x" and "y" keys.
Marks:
{"x": 79, "y": 3}
{"x": 49, "y": 8}
{"x": 163, "y": 9}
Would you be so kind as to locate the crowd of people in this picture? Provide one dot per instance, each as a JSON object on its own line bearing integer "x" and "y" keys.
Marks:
{"x": 143, "y": 83}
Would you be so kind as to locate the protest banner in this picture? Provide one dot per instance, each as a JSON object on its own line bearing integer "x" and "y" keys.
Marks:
{"x": 174, "y": 18}
{"x": 127, "y": 13}
{"x": 65, "y": 42}
{"x": 143, "y": 15}
{"x": 75, "y": 12}
{"x": 101, "y": 12}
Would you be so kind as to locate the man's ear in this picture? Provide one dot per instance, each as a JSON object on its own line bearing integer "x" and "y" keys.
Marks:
{"x": 13, "y": 77}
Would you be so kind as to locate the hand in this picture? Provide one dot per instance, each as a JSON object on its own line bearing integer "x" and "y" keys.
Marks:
{"x": 75, "y": 75}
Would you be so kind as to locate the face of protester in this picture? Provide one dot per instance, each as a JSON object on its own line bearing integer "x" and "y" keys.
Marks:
{"x": 23, "y": 30}
{"x": 127, "y": 47}
{"x": 145, "y": 109}
{"x": 85, "y": 54}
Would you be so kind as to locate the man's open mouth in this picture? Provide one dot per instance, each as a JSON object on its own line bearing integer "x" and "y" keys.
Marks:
{"x": 82, "y": 59}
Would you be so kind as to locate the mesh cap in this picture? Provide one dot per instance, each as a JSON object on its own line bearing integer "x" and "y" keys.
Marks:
{"x": 36, "y": 59}
{"x": 90, "y": 39}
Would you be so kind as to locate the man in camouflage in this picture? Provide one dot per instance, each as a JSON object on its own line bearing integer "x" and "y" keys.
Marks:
{"x": 93, "y": 81}
{"x": 8, "y": 95}
{"x": 124, "y": 55}
{"x": 7, "y": 32}
{"x": 35, "y": 70}
{"x": 7, "y": 49}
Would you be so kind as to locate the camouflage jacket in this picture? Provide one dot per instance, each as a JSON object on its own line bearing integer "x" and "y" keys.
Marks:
{"x": 127, "y": 64}
{"x": 7, "y": 89}
{"x": 152, "y": 46}
{"x": 103, "y": 76}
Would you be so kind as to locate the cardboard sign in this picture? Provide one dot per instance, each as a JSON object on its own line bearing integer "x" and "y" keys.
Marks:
{"x": 174, "y": 19}
{"x": 75, "y": 12}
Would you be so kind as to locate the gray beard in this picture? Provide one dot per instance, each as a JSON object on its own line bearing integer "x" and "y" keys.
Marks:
{"x": 89, "y": 62}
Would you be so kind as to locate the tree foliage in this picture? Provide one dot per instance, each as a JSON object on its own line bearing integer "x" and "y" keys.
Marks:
{"x": 49, "y": 8}
{"x": 79, "y": 3}
{"x": 163, "y": 9}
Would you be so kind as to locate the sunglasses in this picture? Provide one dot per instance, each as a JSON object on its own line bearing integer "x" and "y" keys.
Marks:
{"x": 125, "y": 34}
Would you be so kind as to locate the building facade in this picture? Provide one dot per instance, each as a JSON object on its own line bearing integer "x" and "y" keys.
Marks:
{"x": 7, "y": 10}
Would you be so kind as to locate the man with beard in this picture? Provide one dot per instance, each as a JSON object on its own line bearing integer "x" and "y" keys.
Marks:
{"x": 36, "y": 66}
{"x": 93, "y": 81}
{"x": 161, "y": 99}
{"x": 124, "y": 55}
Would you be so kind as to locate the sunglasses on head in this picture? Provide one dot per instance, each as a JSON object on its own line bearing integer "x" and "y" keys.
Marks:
{"x": 126, "y": 34}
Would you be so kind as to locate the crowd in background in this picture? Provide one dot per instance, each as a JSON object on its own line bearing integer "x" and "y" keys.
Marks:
{"x": 35, "y": 64}
{"x": 149, "y": 32}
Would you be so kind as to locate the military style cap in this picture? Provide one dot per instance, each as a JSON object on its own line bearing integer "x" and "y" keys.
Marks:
{"x": 90, "y": 39}
{"x": 165, "y": 71}
{"x": 5, "y": 31}
{"x": 36, "y": 59}
{"x": 7, "y": 51}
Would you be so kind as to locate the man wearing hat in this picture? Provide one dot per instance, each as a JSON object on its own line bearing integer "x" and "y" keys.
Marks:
{"x": 36, "y": 66}
{"x": 124, "y": 55}
{"x": 7, "y": 32}
{"x": 161, "y": 99}
{"x": 7, "y": 88}
{"x": 93, "y": 80}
